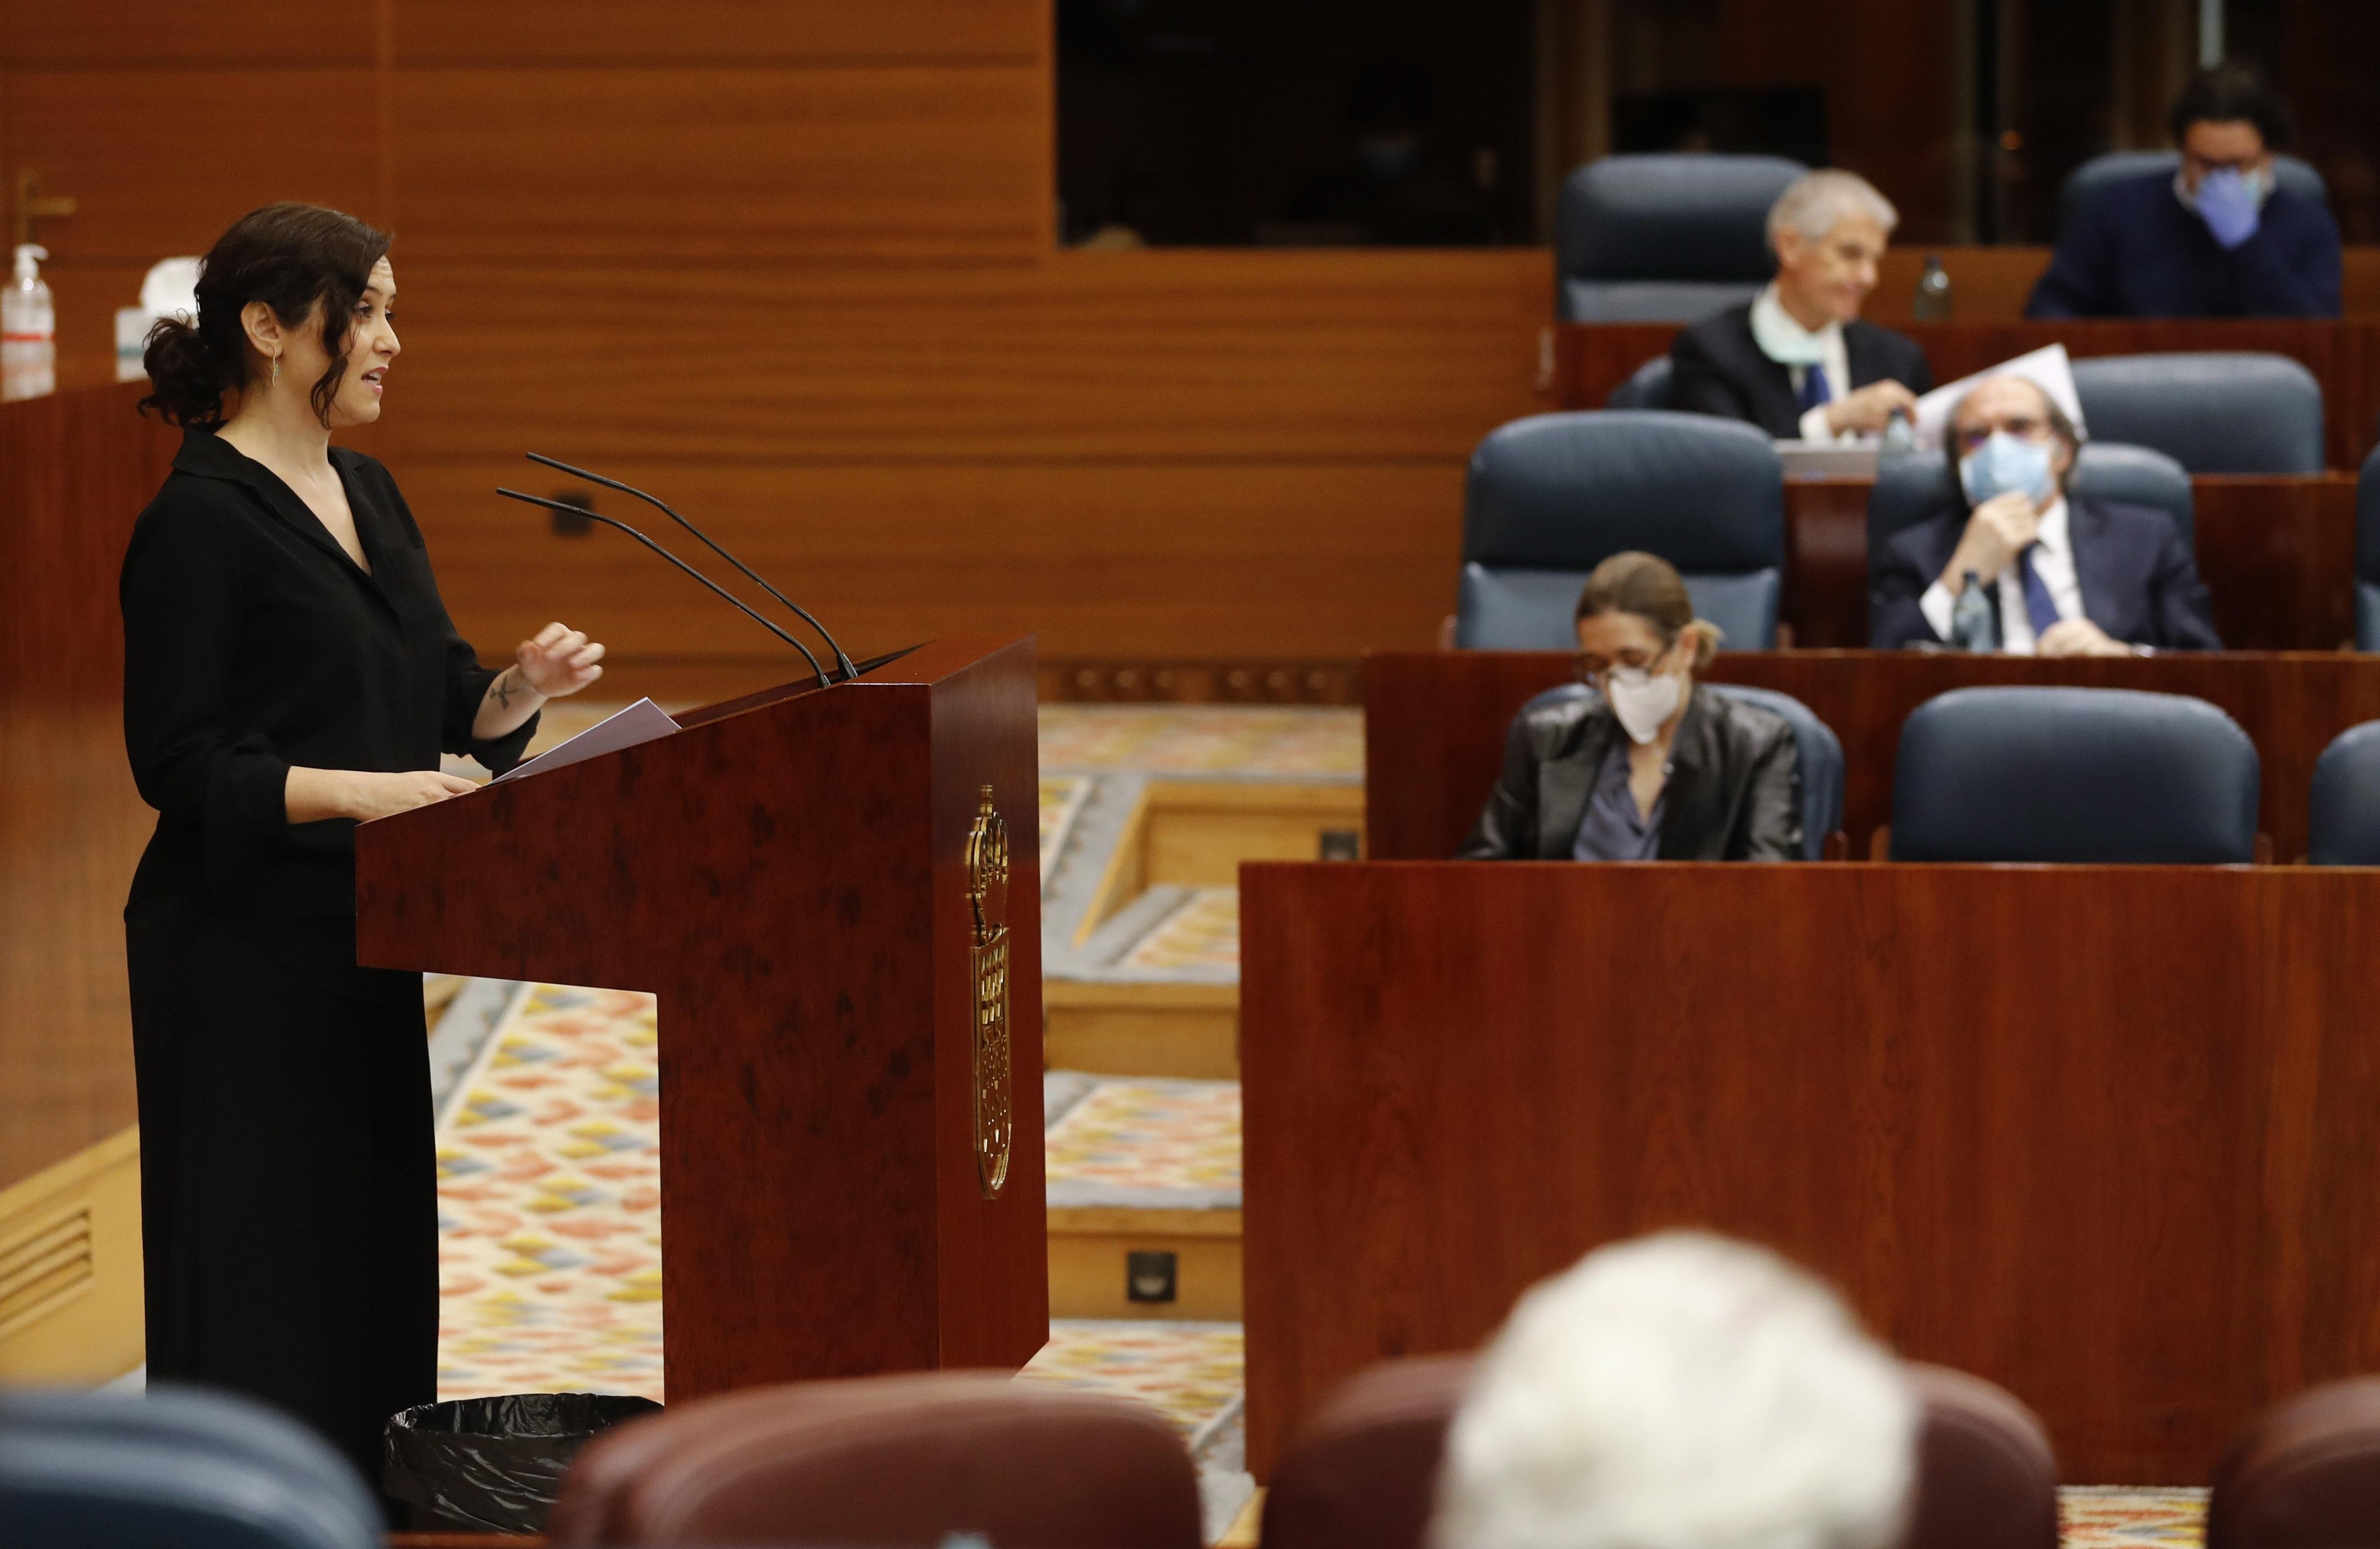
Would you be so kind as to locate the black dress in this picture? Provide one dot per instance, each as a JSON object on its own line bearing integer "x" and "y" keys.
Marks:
{"x": 289, "y": 1193}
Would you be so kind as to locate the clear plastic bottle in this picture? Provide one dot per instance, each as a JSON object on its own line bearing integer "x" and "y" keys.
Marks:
{"x": 1971, "y": 617}
{"x": 29, "y": 327}
{"x": 1933, "y": 303}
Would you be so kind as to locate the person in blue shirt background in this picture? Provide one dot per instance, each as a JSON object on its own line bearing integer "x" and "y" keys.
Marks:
{"x": 2218, "y": 238}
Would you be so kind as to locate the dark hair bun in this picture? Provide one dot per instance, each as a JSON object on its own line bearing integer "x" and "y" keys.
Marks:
{"x": 188, "y": 381}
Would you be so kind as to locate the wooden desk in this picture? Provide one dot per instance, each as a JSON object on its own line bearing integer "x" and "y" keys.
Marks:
{"x": 1433, "y": 722}
{"x": 1591, "y": 359}
{"x": 2102, "y": 1135}
{"x": 2277, "y": 556}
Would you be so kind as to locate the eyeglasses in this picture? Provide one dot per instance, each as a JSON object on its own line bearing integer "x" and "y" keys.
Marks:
{"x": 2024, "y": 426}
{"x": 1592, "y": 670}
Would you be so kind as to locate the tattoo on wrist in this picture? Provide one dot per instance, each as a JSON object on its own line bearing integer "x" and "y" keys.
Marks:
{"x": 505, "y": 688}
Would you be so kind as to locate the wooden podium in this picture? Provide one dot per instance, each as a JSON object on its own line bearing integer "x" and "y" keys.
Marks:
{"x": 851, "y": 1155}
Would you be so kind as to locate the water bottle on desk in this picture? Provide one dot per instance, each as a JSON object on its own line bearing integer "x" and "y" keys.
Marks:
{"x": 1971, "y": 617}
{"x": 1933, "y": 303}
{"x": 29, "y": 328}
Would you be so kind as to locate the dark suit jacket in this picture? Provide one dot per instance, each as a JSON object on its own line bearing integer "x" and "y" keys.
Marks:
{"x": 2133, "y": 250}
{"x": 2139, "y": 580}
{"x": 1717, "y": 369}
{"x": 1734, "y": 790}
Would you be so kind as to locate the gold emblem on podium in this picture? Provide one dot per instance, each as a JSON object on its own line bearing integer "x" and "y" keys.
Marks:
{"x": 986, "y": 881}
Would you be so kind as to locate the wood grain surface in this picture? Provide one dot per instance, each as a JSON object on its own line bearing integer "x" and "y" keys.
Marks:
{"x": 711, "y": 32}
{"x": 2115, "y": 1182}
{"x": 788, "y": 880}
{"x": 74, "y": 469}
{"x": 1593, "y": 357}
{"x": 840, "y": 161}
{"x": 2277, "y": 556}
{"x": 1433, "y": 722}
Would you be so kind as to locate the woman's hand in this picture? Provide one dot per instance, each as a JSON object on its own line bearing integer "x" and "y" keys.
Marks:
{"x": 559, "y": 661}
{"x": 312, "y": 795}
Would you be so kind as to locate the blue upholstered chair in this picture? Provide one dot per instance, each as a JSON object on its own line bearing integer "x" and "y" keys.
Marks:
{"x": 2367, "y": 555}
{"x": 1913, "y": 490}
{"x": 2344, "y": 826}
{"x": 2084, "y": 775}
{"x": 192, "y": 1468}
{"x": 1647, "y": 386}
{"x": 2290, "y": 173}
{"x": 1552, "y": 496}
{"x": 1817, "y": 750}
{"x": 2215, "y": 411}
{"x": 1665, "y": 239}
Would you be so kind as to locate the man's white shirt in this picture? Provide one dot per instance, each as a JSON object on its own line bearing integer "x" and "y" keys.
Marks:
{"x": 2053, "y": 562}
{"x": 1801, "y": 351}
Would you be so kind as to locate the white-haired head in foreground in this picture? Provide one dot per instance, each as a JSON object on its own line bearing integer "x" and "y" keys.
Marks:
{"x": 1680, "y": 1391}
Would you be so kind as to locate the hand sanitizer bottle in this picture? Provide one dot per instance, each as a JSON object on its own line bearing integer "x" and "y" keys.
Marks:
{"x": 29, "y": 325}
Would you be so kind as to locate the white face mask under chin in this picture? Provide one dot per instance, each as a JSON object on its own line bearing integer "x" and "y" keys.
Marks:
{"x": 1641, "y": 699}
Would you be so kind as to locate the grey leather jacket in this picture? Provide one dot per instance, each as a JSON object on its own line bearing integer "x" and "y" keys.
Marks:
{"x": 1734, "y": 791}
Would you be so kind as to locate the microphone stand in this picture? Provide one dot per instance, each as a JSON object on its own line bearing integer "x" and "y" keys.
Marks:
{"x": 823, "y": 680}
{"x": 841, "y": 661}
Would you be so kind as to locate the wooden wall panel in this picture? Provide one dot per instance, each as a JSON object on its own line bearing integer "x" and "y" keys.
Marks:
{"x": 135, "y": 34}
{"x": 703, "y": 32}
{"x": 1410, "y": 356}
{"x": 1214, "y": 561}
{"x": 652, "y": 166}
{"x": 159, "y": 162}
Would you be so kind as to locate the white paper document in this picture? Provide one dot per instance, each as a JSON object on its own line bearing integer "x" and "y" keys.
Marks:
{"x": 641, "y": 721}
{"x": 2047, "y": 367}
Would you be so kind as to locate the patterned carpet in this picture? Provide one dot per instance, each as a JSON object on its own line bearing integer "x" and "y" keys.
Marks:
{"x": 549, "y": 1202}
{"x": 2108, "y": 1516}
{"x": 1147, "y": 1144}
{"x": 1232, "y": 741}
{"x": 1203, "y": 933}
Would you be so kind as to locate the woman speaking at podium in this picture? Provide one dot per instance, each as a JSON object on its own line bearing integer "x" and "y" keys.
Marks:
{"x": 290, "y": 671}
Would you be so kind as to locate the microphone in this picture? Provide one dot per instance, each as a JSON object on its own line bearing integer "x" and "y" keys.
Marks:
{"x": 841, "y": 661}
{"x": 823, "y": 680}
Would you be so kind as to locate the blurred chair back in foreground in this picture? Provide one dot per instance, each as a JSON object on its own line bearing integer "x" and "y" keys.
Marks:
{"x": 1360, "y": 1470}
{"x": 183, "y": 1467}
{"x": 897, "y": 1460}
{"x": 2305, "y": 1474}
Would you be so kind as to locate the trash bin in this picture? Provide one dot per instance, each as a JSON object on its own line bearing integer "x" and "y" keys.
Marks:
{"x": 495, "y": 1465}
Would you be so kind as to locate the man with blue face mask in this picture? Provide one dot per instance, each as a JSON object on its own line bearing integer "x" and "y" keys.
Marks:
{"x": 2081, "y": 577}
{"x": 2217, "y": 238}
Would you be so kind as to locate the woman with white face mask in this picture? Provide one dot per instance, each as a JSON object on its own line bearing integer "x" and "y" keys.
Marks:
{"x": 1647, "y": 766}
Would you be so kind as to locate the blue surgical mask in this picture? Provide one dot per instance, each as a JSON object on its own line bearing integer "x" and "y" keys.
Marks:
{"x": 2003, "y": 463}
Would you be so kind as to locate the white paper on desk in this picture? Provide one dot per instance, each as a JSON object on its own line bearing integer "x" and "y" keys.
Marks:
{"x": 641, "y": 721}
{"x": 2048, "y": 367}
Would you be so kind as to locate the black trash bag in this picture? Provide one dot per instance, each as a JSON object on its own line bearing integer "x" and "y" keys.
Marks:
{"x": 495, "y": 1465}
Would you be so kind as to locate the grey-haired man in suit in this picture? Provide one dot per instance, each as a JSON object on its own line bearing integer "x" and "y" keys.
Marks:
{"x": 1797, "y": 361}
{"x": 2065, "y": 578}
